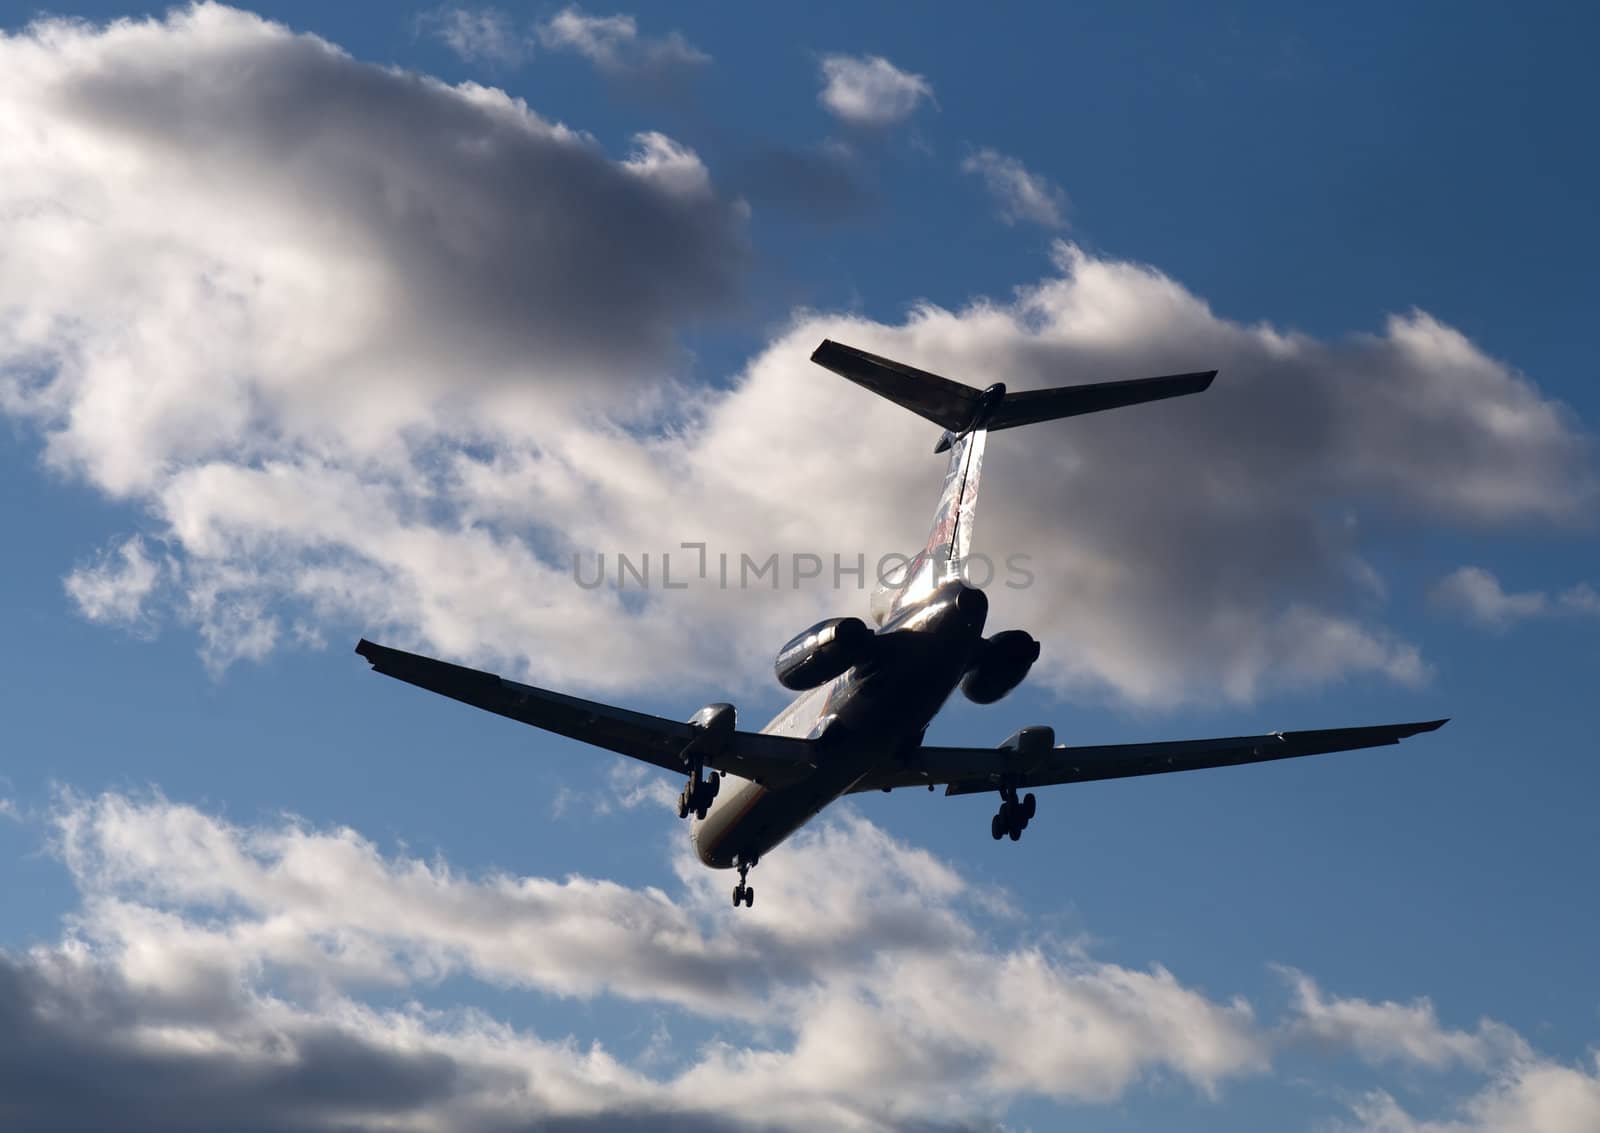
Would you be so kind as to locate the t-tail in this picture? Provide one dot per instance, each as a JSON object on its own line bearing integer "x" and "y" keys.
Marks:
{"x": 967, "y": 416}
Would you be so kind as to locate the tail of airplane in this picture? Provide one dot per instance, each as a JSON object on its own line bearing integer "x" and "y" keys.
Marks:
{"x": 967, "y": 416}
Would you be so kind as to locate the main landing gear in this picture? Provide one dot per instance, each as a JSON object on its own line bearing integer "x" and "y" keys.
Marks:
{"x": 697, "y": 793}
{"x": 1014, "y": 816}
{"x": 742, "y": 892}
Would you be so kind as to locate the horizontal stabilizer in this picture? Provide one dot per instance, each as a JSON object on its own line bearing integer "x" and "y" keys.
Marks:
{"x": 1027, "y": 406}
{"x": 944, "y": 402}
{"x": 956, "y": 407}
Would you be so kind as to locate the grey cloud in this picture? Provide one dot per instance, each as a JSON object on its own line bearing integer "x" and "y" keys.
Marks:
{"x": 271, "y": 234}
{"x": 288, "y": 336}
{"x": 235, "y": 958}
{"x": 617, "y": 49}
{"x": 822, "y": 183}
{"x": 1476, "y": 594}
{"x": 517, "y": 238}
{"x": 486, "y": 35}
{"x": 212, "y": 978}
{"x": 1018, "y": 194}
{"x": 73, "y": 1058}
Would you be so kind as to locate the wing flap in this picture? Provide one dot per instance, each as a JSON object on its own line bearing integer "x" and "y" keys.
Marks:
{"x": 653, "y": 739}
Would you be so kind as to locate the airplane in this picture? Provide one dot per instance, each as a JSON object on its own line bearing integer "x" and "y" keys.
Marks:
{"x": 868, "y": 693}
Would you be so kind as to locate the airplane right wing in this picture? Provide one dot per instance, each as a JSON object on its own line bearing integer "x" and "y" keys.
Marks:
{"x": 1029, "y": 760}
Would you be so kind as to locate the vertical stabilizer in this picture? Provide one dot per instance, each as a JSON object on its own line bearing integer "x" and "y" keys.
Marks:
{"x": 967, "y": 415}
{"x": 949, "y": 542}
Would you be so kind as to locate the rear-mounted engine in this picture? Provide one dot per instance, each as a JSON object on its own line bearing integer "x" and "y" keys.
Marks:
{"x": 1002, "y": 662}
{"x": 822, "y": 653}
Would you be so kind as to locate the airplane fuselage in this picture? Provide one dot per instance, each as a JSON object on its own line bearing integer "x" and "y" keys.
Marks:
{"x": 872, "y": 714}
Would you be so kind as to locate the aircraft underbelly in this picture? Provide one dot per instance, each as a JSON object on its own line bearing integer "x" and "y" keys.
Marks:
{"x": 749, "y": 819}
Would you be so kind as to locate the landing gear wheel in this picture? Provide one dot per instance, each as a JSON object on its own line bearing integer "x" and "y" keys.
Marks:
{"x": 1029, "y": 806}
{"x": 743, "y": 892}
{"x": 1015, "y": 832}
{"x": 997, "y": 829}
{"x": 700, "y": 814}
{"x": 683, "y": 806}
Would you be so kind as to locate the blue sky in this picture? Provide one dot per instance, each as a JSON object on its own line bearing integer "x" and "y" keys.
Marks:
{"x": 300, "y": 350}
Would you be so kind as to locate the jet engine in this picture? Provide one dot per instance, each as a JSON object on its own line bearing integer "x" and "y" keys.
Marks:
{"x": 1002, "y": 662}
{"x": 822, "y": 653}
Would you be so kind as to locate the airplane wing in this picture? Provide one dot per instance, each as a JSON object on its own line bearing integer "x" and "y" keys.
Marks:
{"x": 1024, "y": 764}
{"x": 653, "y": 739}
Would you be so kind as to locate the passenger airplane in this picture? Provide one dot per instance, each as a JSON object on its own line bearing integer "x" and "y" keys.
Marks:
{"x": 868, "y": 695}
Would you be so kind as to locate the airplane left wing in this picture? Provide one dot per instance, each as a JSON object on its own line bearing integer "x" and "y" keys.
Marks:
{"x": 1029, "y": 760}
{"x": 653, "y": 739}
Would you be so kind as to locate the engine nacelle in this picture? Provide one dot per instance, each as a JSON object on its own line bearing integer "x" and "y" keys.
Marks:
{"x": 714, "y": 726}
{"x": 1002, "y": 662}
{"x": 822, "y": 653}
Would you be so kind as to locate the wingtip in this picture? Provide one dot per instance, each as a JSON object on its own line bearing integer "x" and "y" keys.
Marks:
{"x": 822, "y": 347}
{"x": 365, "y": 648}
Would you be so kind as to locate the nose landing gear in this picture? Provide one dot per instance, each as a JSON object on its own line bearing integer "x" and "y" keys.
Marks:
{"x": 1013, "y": 816}
{"x": 742, "y": 892}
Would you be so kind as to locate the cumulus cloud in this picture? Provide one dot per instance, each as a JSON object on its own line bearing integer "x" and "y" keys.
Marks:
{"x": 244, "y": 975}
{"x": 393, "y": 374}
{"x": 1477, "y": 595}
{"x": 237, "y": 963}
{"x": 613, "y": 44}
{"x": 1018, "y": 194}
{"x": 477, "y": 35}
{"x": 251, "y": 234}
{"x": 868, "y": 90}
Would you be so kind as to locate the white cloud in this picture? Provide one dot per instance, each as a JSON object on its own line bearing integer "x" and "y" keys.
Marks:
{"x": 402, "y": 412}
{"x": 613, "y": 44}
{"x": 422, "y": 246}
{"x": 868, "y": 90}
{"x": 861, "y": 992}
{"x": 115, "y": 588}
{"x": 866, "y": 990}
{"x": 1018, "y": 194}
{"x": 1477, "y": 595}
{"x": 1513, "y": 1087}
{"x": 1529, "y": 1096}
{"x": 1400, "y": 1032}
{"x": 486, "y": 35}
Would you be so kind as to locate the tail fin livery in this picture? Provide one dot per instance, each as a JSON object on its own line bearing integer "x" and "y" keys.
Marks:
{"x": 967, "y": 415}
